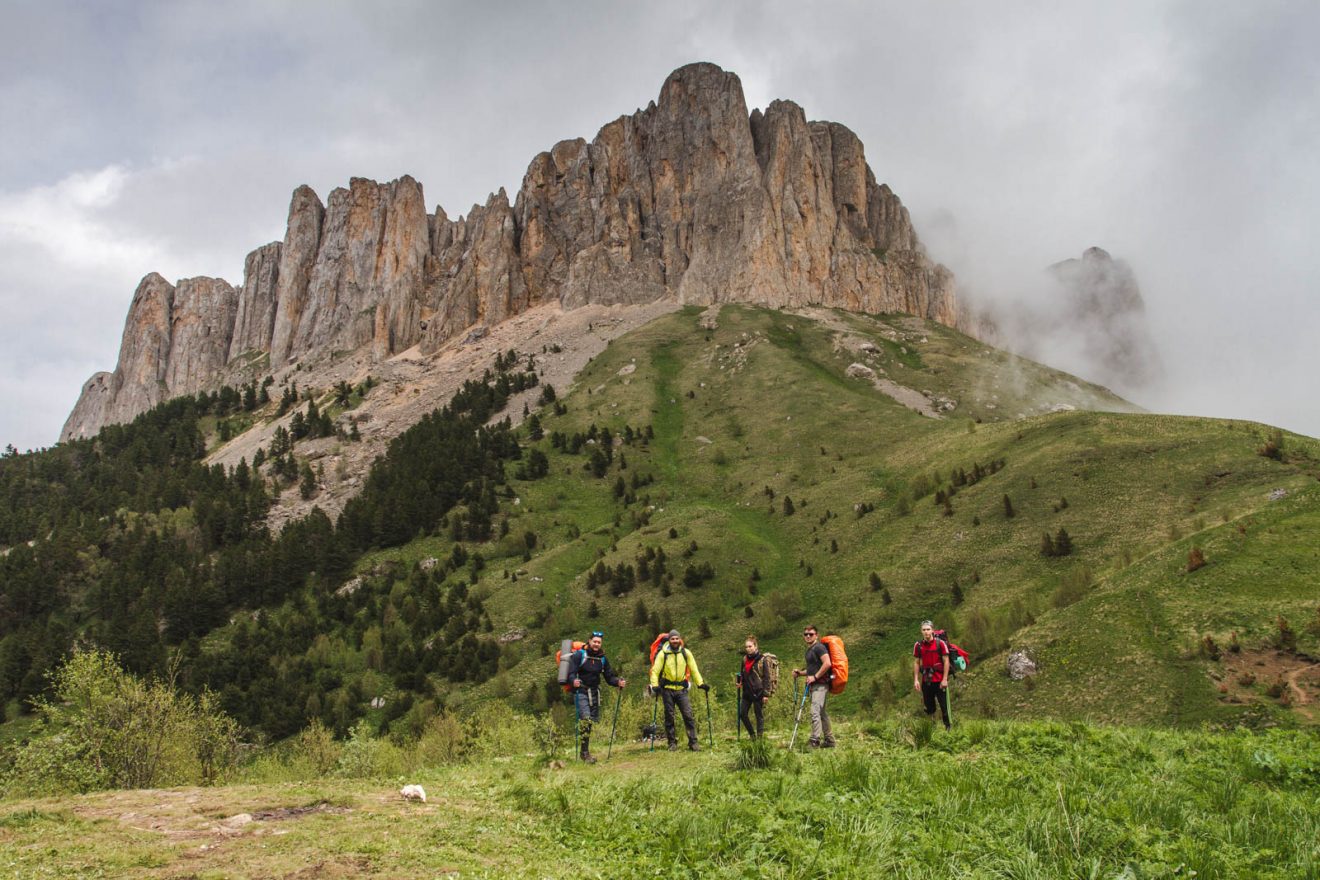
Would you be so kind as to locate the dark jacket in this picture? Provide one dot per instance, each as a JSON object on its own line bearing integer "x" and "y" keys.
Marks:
{"x": 591, "y": 667}
{"x": 756, "y": 681}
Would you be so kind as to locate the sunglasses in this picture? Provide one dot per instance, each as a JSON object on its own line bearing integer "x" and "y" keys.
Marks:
{"x": 598, "y": 635}
{"x": 808, "y": 633}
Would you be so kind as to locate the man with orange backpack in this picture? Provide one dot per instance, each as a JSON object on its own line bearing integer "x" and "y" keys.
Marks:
{"x": 819, "y": 674}
{"x": 586, "y": 667}
{"x": 930, "y": 672}
{"x": 672, "y": 672}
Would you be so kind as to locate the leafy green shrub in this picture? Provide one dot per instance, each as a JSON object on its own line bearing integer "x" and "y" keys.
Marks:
{"x": 786, "y": 603}
{"x": 110, "y": 729}
{"x": 316, "y": 745}
{"x": 367, "y": 756}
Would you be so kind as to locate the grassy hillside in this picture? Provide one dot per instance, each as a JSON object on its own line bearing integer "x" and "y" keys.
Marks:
{"x": 760, "y": 409}
{"x": 994, "y": 799}
{"x": 723, "y": 471}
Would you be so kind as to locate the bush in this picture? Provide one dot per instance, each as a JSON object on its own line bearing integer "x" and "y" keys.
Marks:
{"x": 1195, "y": 559}
{"x": 1284, "y": 639}
{"x": 786, "y": 604}
{"x": 115, "y": 730}
{"x": 316, "y": 745}
{"x": 367, "y": 756}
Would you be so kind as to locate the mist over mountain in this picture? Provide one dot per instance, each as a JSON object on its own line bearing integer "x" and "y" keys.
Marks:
{"x": 1087, "y": 316}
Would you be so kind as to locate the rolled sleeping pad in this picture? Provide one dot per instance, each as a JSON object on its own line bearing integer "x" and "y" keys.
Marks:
{"x": 565, "y": 651}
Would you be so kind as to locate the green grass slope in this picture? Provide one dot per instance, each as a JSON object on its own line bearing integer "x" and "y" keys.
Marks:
{"x": 761, "y": 408}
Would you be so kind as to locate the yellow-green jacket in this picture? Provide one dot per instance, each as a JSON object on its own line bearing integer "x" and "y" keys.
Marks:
{"x": 673, "y": 667}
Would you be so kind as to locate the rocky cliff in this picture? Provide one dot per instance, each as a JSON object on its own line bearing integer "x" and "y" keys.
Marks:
{"x": 691, "y": 198}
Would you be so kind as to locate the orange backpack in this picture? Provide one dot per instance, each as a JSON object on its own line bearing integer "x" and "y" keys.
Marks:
{"x": 566, "y": 650}
{"x": 838, "y": 663}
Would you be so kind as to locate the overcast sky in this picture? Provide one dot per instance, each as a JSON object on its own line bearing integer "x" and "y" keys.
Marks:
{"x": 1182, "y": 137}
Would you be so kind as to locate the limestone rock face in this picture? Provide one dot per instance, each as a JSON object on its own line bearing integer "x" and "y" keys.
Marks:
{"x": 366, "y": 283}
{"x": 89, "y": 413}
{"x": 691, "y": 197}
{"x": 201, "y": 329}
{"x": 254, "y": 325}
{"x": 139, "y": 378}
{"x": 302, "y": 239}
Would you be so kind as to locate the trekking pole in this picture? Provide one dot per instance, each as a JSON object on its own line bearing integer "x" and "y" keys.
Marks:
{"x": 798, "y": 719}
{"x": 577, "y": 723}
{"x": 948, "y": 703}
{"x": 710, "y": 729}
{"x": 655, "y": 706}
{"x": 737, "y": 712}
{"x": 614, "y": 724}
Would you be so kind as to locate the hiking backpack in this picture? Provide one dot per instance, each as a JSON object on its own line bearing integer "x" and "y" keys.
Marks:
{"x": 771, "y": 674}
{"x": 838, "y": 663}
{"x": 957, "y": 656}
{"x": 566, "y": 650}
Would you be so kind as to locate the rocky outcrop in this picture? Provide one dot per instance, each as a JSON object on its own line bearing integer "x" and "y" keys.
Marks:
{"x": 302, "y": 240}
{"x": 138, "y": 382}
{"x": 201, "y": 329}
{"x": 254, "y": 325}
{"x": 691, "y": 198}
{"x": 367, "y": 277}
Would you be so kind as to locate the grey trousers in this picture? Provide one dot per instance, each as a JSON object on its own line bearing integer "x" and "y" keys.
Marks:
{"x": 684, "y": 703}
{"x": 821, "y": 732}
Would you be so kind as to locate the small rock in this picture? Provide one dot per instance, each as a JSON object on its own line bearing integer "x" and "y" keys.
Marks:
{"x": 1020, "y": 665}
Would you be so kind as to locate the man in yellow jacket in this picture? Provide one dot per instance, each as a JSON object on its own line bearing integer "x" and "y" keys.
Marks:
{"x": 671, "y": 672}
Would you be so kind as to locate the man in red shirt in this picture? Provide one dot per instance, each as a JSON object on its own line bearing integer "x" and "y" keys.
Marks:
{"x": 930, "y": 671}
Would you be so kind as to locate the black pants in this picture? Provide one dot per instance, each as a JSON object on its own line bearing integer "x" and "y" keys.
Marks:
{"x": 746, "y": 704}
{"x": 931, "y": 692}
{"x": 684, "y": 706}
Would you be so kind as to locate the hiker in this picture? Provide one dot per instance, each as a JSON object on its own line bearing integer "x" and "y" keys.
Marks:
{"x": 586, "y": 667}
{"x": 672, "y": 672}
{"x": 930, "y": 671}
{"x": 818, "y": 675}
{"x": 756, "y": 683}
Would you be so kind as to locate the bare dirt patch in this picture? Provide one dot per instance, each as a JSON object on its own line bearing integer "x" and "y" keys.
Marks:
{"x": 1270, "y": 676}
{"x": 410, "y": 385}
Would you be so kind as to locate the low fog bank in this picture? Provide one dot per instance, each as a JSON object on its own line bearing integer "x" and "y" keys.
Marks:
{"x": 1205, "y": 338}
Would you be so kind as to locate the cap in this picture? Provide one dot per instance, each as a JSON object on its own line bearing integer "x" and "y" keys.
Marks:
{"x": 673, "y": 634}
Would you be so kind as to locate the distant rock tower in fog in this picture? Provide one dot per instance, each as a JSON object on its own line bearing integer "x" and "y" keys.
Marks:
{"x": 1102, "y": 304}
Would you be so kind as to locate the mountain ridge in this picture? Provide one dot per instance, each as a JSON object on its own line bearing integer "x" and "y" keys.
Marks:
{"x": 691, "y": 197}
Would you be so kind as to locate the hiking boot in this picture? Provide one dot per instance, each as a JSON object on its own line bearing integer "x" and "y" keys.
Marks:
{"x": 588, "y": 758}
{"x": 828, "y": 745}
{"x": 812, "y": 744}
{"x": 693, "y": 747}
{"x": 673, "y": 747}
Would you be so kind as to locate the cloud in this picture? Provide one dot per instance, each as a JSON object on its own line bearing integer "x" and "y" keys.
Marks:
{"x": 1179, "y": 136}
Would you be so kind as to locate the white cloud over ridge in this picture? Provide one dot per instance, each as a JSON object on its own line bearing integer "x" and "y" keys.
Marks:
{"x": 1180, "y": 136}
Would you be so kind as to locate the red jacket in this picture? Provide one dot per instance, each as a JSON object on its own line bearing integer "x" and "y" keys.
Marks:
{"x": 931, "y": 655}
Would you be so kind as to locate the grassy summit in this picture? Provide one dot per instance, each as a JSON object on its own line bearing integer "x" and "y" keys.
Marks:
{"x": 756, "y": 413}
